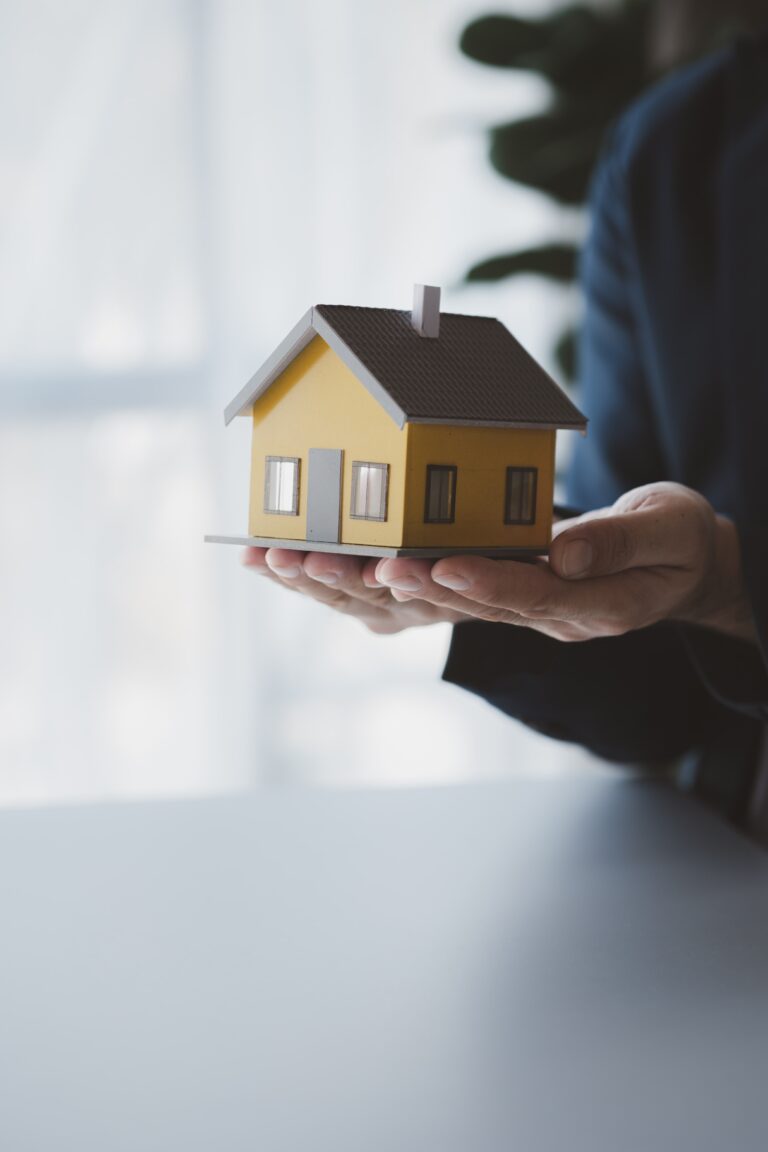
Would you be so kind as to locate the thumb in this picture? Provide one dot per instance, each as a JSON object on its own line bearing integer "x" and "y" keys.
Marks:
{"x": 606, "y": 544}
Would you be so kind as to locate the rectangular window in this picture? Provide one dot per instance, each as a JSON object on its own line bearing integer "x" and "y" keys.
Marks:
{"x": 281, "y": 485}
{"x": 369, "y": 490}
{"x": 440, "y": 503}
{"x": 520, "y": 499}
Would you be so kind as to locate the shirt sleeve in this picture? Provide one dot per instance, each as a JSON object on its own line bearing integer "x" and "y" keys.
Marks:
{"x": 630, "y": 699}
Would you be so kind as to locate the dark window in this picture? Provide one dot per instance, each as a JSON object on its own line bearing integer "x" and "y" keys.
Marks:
{"x": 440, "y": 503}
{"x": 369, "y": 490}
{"x": 281, "y": 485}
{"x": 520, "y": 498}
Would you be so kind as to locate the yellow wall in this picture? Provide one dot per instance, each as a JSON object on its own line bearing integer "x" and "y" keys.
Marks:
{"x": 482, "y": 456}
{"x": 319, "y": 403}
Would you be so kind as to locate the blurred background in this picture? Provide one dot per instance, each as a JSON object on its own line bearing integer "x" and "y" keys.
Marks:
{"x": 179, "y": 181}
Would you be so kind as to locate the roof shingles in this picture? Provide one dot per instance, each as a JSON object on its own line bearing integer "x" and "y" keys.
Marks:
{"x": 474, "y": 371}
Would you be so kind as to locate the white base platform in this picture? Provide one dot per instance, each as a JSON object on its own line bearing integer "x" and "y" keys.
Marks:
{"x": 370, "y": 550}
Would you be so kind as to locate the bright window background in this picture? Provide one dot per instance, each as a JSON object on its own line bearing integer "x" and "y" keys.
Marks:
{"x": 179, "y": 181}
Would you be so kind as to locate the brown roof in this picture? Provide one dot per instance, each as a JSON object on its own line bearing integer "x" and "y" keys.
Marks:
{"x": 474, "y": 372}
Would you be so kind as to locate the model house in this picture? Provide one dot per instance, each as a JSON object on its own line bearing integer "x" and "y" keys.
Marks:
{"x": 387, "y": 432}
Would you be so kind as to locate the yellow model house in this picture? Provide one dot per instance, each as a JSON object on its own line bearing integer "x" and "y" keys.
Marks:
{"x": 390, "y": 433}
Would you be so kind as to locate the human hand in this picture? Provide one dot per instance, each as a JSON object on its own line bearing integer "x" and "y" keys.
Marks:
{"x": 660, "y": 552}
{"x": 347, "y": 584}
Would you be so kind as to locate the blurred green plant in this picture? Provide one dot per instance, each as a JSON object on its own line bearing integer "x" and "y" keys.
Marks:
{"x": 595, "y": 61}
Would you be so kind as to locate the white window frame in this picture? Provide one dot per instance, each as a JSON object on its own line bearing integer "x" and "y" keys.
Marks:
{"x": 360, "y": 501}
{"x": 281, "y": 496}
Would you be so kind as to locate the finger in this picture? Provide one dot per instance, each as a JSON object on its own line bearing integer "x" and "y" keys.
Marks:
{"x": 404, "y": 574}
{"x": 533, "y": 593}
{"x": 603, "y": 544}
{"x": 411, "y": 579}
{"x": 348, "y": 584}
{"x": 255, "y": 558}
{"x": 289, "y": 566}
{"x": 527, "y": 589}
{"x": 368, "y": 574}
{"x": 285, "y": 562}
{"x": 346, "y": 574}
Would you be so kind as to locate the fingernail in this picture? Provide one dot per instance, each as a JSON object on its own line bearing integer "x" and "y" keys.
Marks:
{"x": 327, "y": 577}
{"x": 455, "y": 583}
{"x": 287, "y": 573}
{"x": 576, "y": 558}
{"x": 404, "y": 584}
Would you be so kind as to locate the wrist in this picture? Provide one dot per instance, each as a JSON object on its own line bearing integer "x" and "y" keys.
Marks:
{"x": 725, "y": 605}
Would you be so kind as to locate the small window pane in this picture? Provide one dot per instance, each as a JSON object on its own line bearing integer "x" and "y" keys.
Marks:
{"x": 369, "y": 490}
{"x": 440, "y": 505}
{"x": 520, "y": 504}
{"x": 281, "y": 485}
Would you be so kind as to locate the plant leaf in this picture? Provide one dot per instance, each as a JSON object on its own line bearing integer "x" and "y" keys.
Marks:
{"x": 578, "y": 49}
{"x": 512, "y": 42}
{"x": 556, "y": 261}
{"x": 554, "y": 152}
{"x": 567, "y": 354}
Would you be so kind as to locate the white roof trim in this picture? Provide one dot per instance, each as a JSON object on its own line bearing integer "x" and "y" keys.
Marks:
{"x": 296, "y": 341}
{"x": 301, "y": 335}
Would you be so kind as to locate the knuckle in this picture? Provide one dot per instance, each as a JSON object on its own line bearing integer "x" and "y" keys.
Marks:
{"x": 339, "y": 601}
{"x": 619, "y": 619}
{"x": 491, "y": 591}
{"x": 378, "y": 598}
{"x": 617, "y": 548}
{"x": 705, "y": 525}
{"x": 495, "y": 615}
{"x": 445, "y": 596}
{"x": 639, "y": 606}
{"x": 540, "y": 608}
{"x": 496, "y": 590}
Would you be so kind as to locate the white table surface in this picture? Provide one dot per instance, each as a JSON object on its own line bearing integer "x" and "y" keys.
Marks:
{"x": 530, "y": 967}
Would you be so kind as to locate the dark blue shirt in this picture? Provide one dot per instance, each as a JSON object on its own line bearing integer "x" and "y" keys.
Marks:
{"x": 674, "y": 380}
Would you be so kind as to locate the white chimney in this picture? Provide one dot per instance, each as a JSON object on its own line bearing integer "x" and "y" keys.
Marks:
{"x": 426, "y": 310}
